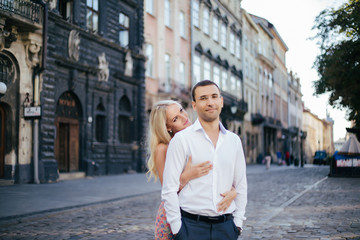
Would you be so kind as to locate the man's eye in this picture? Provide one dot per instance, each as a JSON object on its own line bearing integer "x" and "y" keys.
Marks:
{"x": 181, "y": 110}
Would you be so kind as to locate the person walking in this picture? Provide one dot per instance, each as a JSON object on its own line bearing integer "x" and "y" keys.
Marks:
{"x": 192, "y": 213}
{"x": 168, "y": 117}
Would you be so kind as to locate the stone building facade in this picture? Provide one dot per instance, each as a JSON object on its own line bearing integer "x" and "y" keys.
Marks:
{"x": 216, "y": 55}
{"x": 90, "y": 87}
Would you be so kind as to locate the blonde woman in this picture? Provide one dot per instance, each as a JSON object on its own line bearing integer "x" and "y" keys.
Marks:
{"x": 166, "y": 119}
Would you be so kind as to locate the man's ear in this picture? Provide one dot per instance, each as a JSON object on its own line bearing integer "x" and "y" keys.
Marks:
{"x": 193, "y": 103}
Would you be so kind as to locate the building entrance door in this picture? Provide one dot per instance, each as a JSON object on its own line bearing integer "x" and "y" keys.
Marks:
{"x": 67, "y": 144}
{"x": 2, "y": 141}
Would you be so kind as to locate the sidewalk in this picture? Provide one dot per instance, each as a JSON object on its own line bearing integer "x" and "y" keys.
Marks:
{"x": 22, "y": 200}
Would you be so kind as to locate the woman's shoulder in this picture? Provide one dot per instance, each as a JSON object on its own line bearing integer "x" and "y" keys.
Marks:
{"x": 161, "y": 147}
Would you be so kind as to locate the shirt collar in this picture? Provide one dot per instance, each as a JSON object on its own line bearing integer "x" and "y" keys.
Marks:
{"x": 197, "y": 126}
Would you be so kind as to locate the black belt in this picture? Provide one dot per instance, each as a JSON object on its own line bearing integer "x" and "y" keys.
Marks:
{"x": 208, "y": 219}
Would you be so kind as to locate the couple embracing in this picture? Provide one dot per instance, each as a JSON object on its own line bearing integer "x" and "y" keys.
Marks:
{"x": 201, "y": 167}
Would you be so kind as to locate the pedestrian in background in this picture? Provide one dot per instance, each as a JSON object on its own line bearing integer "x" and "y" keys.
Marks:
{"x": 267, "y": 158}
{"x": 287, "y": 158}
{"x": 279, "y": 158}
{"x": 166, "y": 119}
{"x": 192, "y": 213}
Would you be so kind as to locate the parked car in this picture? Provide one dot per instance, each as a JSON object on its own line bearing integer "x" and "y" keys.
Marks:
{"x": 320, "y": 157}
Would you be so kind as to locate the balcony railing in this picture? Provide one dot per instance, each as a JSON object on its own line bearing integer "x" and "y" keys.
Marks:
{"x": 23, "y": 8}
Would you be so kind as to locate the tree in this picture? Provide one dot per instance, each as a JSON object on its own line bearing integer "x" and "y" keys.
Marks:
{"x": 338, "y": 63}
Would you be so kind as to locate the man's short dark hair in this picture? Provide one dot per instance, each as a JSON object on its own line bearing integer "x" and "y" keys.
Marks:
{"x": 202, "y": 84}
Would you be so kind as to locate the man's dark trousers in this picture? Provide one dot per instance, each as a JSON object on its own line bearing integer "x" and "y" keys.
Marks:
{"x": 200, "y": 230}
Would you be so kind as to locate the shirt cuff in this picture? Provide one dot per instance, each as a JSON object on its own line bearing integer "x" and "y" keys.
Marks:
{"x": 175, "y": 227}
{"x": 238, "y": 222}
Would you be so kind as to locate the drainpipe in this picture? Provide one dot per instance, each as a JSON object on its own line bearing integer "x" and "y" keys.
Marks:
{"x": 36, "y": 79}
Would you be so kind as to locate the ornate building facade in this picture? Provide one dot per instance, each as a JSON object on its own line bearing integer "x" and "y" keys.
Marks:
{"x": 81, "y": 65}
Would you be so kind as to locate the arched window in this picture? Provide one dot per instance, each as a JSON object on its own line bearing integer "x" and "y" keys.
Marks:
{"x": 125, "y": 121}
{"x": 100, "y": 122}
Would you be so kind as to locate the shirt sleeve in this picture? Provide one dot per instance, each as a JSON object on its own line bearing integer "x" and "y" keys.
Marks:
{"x": 240, "y": 184}
{"x": 174, "y": 165}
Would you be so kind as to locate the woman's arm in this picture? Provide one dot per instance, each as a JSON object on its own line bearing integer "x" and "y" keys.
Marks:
{"x": 193, "y": 171}
{"x": 190, "y": 172}
{"x": 159, "y": 159}
{"x": 228, "y": 197}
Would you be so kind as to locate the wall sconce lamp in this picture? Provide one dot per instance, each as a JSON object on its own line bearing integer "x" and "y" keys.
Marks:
{"x": 233, "y": 108}
{"x": 3, "y": 89}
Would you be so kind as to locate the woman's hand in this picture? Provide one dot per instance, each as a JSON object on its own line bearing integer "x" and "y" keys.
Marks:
{"x": 228, "y": 197}
{"x": 192, "y": 171}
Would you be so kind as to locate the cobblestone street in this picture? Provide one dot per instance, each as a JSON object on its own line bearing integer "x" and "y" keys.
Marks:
{"x": 296, "y": 203}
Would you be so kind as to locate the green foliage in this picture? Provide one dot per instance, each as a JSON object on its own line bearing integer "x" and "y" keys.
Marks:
{"x": 338, "y": 64}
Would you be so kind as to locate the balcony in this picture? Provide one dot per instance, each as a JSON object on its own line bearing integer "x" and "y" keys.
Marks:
{"x": 21, "y": 12}
{"x": 257, "y": 119}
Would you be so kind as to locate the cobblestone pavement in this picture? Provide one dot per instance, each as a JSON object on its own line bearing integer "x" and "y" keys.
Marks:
{"x": 290, "y": 204}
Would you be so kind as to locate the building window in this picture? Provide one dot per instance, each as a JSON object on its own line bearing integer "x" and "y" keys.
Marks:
{"x": 150, "y": 6}
{"x": 232, "y": 43}
{"x": 66, "y": 10}
{"x": 207, "y": 70}
{"x": 92, "y": 15}
{"x": 224, "y": 77}
{"x": 195, "y": 13}
{"x": 206, "y": 16}
{"x": 270, "y": 80}
{"x": 238, "y": 88}
{"x": 215, "y": 32}
{"x": 182, "y": 24}
{"x": 197, "y": 69}
{"x": 167, "y": 13}
{"x": 217, "y": 75}
{"x": 149, "y": 61}
{"x": 100, "y": 123}
{"x": 238, "y": 48}
{"x": 125, "y": 120}
{"x": 182, "y": 75}
{"x": 223, "y": 35}
{"x": 233, "y": 84}
{"x": 167, "y": 69}
{"x": 124, "y": 30}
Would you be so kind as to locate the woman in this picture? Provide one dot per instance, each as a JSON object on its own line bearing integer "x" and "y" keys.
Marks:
{"x": 166, "y": 119}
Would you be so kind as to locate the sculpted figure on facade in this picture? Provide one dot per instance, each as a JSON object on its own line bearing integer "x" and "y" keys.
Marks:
{"x": 74, "y": 45}
{"x": 129, "y": 64}
{"x": 32, "y": 50}
{"x": 103, "y": 74}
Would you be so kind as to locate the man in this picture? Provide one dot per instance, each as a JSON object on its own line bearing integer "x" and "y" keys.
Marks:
{"x": 192, "y": 213}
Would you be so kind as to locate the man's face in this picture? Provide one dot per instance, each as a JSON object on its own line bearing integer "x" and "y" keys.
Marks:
{"x": 208, "y": 103}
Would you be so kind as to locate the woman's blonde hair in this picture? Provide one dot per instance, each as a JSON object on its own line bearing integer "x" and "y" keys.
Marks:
{"x": 158, "y": 133}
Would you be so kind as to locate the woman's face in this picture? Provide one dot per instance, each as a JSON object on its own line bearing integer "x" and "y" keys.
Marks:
{"x": 177, "y": 118}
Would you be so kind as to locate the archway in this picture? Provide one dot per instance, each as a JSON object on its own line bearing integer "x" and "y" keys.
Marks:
{"x": 68, "y": 112}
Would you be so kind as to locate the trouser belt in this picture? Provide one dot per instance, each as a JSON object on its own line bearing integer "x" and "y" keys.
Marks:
{"x": 208, "y": 219}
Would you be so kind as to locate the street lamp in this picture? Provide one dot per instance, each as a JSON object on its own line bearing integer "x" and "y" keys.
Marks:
{"x": 3, "y": 89}
{"x": 233, "y": 108}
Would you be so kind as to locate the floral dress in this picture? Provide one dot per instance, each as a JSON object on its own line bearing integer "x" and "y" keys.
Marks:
{"x": 162, "y": 227}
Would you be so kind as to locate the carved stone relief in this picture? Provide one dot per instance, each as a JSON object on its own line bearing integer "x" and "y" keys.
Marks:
{"x": 103, "y": 74}
{"x": 52, "y": 4}
{"x": 129, "y": 64}
{"x": 74, "y": 45}
{"x": 32, "y": 50}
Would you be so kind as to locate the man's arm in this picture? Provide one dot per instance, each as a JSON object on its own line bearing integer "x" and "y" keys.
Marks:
{"x": 174, "y": 165}
{"x": 240, "y": 184}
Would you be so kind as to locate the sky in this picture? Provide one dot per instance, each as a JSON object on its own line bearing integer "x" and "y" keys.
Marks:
{"x": 293, "y": 21}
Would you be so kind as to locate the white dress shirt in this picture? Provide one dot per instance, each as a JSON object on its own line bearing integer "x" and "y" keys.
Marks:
{"x": 201, "y": 195}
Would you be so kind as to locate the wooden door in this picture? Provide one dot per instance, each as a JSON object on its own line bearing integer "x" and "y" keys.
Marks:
{"x": 2, "y": 141}
{"x": 67, "y": 145}
{"x": 74, "y": 147}
{"x": 63, "y": 154}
